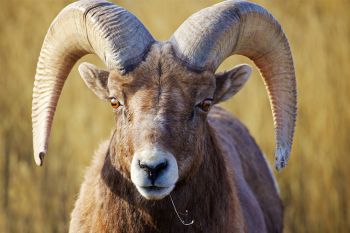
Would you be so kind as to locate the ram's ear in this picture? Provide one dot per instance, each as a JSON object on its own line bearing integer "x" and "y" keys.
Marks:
{"x": 230, "y": 82}
{"x": 96, "y": 79}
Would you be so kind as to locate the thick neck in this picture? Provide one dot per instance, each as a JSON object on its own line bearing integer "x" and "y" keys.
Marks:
{"x": 207, "y": 195}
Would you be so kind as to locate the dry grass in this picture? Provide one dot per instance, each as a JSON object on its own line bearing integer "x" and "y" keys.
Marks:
{"x": 315, "y": 186}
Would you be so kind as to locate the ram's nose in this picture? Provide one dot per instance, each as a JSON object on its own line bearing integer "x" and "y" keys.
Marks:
{"x": 153, "y": 169}
{"x": 154, "y": 172}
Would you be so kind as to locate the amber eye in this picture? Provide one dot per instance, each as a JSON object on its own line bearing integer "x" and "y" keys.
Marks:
{"x": 205, "y": 105}
{"x": 115, "y": 103}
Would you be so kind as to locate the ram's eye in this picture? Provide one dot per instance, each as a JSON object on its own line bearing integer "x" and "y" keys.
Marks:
{"x": 115, "y": 103}
{"x": 205, "y": 105}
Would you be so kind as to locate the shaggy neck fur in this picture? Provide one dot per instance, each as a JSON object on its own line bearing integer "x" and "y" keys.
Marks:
{"x": 207, "y": 195}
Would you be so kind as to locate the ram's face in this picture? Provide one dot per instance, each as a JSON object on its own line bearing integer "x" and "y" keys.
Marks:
{"x": 161, "y": 115}
{"x": 161, "y": 110}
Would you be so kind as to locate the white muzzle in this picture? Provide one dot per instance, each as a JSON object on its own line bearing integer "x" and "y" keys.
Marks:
{"x": 154, "y": 172}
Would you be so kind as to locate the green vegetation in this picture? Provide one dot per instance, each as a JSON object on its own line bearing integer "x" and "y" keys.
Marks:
{"x": 314, "y": 186}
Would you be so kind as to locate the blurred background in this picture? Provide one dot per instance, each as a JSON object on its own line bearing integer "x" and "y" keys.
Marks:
{"x": 315, "y": 186}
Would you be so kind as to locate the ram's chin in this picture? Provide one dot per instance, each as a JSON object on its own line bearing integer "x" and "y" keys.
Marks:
{"x": 154, "y": 192}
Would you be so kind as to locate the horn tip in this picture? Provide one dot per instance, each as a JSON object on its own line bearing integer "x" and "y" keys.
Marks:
{"x": 39, "y": 158}
{"x": 281, "y": 157}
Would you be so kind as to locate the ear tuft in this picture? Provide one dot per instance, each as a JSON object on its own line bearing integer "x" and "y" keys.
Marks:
{"x": 230, "y": 82}
{"x": 96, "y": 79}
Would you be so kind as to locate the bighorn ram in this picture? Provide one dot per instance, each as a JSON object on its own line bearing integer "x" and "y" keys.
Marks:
{"x": 171, "y": 145}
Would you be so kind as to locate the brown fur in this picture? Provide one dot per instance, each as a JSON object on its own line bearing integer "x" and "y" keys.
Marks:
{"x": 224, "y": 181}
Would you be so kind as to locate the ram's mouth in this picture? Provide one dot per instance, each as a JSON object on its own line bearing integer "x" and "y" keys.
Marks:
{"x": 154, "y": 192}
{"x": 153, "y": 188}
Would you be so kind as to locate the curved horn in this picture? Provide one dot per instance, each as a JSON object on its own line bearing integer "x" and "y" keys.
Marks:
{"x": 211, "y": 35}
{"x": 83, "y": 27}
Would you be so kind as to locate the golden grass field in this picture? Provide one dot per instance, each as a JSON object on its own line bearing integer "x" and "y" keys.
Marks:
{"x": 315, "y": 186}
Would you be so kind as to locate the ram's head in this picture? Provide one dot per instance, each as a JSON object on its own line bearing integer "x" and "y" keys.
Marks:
{"x": 161, "y": 92}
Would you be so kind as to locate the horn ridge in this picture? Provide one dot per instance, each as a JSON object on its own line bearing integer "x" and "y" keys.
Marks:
{"x": 231, "y": 27}
{"x": 88, "y": 26}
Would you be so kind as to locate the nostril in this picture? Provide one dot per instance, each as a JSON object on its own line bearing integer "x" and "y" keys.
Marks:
{"x": 143, "y": 166}
{"x": 161, "y": 166}
{"x": 153, "y": 171}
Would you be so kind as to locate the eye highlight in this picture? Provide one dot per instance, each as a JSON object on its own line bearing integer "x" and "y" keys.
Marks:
{"x": 205, "y": 105}
{"x": 115, "y": 103}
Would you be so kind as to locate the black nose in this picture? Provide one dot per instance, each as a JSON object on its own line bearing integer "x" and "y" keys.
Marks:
{"x": 153, "y": 171}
